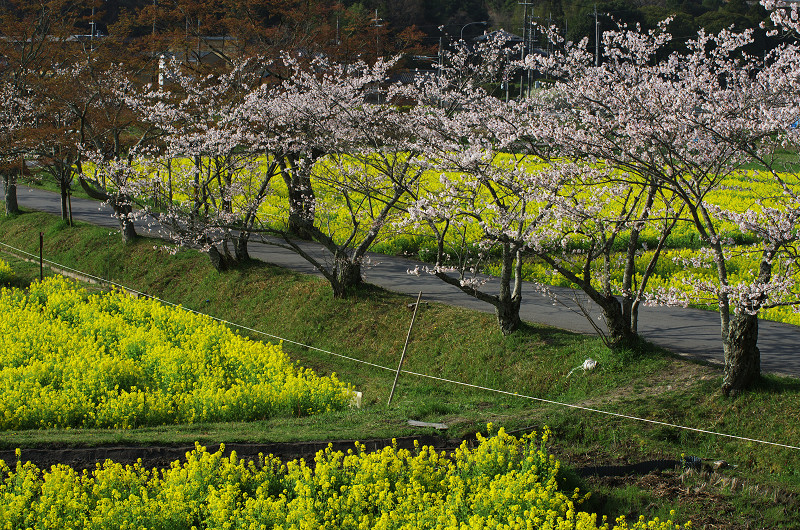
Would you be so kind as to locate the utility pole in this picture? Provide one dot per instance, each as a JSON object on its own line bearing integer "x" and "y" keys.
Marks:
{"x": 531, "y": 48}
{"x": 532, "y": 82}
{"x": 91, "y": 36}
{"x": 596, "y": 37}
{"x": 525, "y": 35}
{"x": 549, "y": 41}
{"x": 596, "y": 16}
{"x": 441, "y": 59}
{"x": 159, "y": 74}
{"x": 378, "y": 24}
{"x": 506, "y": 79}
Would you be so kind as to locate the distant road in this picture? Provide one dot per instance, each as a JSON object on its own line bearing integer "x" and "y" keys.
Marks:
{"x": 691, "y": 332}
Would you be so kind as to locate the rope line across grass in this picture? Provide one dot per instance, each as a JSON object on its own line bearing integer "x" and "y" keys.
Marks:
{"x": 432, "y": 377}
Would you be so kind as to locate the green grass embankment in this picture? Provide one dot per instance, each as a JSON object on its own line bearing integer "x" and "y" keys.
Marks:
{"x": 456, "y": 344}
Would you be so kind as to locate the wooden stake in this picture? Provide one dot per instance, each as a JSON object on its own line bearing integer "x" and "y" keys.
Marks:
{"x": 403, "y": 355}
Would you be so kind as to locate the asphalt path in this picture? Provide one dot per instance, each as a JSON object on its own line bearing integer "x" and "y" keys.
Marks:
{"x": 690, "y": 332}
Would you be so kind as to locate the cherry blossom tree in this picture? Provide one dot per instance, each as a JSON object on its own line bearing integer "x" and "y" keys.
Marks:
{"x": 683, "y": 124}
{"x": 746, "y": 108}
{"x": 521, "y": 164}
{"x": 486, "y": 202}
{"x": 767, "y": 99}
{"x": 189, "y": 176}
{"x": 21, "y": 47}
{"x": 784, "y": 14}
{"x": 606, "y": 121}
{"x": 333, "y": 146}
{"x": 494, "y": 190}
{"x": 55, "y": 139}
{"x": 35, "y": 46}
{"x": 14, "y": 114}
{"x": 314, "y": 138}
{"x": 598, "y": 230}
{"x": 110, "y": 135}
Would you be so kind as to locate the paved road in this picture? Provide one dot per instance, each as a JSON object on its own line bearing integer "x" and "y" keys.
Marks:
{"x": 689, "y": 332}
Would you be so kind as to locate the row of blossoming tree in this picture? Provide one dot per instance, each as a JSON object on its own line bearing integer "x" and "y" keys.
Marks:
{"x": 582, "y": 173}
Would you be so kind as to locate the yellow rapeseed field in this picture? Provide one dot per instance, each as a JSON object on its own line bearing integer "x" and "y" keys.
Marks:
{"x": 503, "y": 483}
{"x": 70, "y": 359}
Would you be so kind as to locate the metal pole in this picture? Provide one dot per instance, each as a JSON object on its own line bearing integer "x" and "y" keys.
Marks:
{"x": 41, "y": 259}
{"x": 525, "y": 50}
{"x": 480, "y": 23}
{"x": 507, "y": 77}
{"x": 377, "y": 34}
{"x": 596, "y": 38}
{"x": 439, "y": 74}
{"x": 531, "y": 47}
{"x": 91, "y": 37}
{"x": 403, "y": 355}
{"x": 524, "y": 45}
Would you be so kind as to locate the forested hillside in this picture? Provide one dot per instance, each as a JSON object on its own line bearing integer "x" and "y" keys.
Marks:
{"x": 348, "y": 22}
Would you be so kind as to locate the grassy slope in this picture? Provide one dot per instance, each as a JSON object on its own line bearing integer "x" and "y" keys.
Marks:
{"x": 460, "y": 345}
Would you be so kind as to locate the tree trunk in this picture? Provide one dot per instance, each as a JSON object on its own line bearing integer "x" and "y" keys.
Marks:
{"x": 219, "y": 260}
{"x": 126, "y": 227}
{"x": 619, "y": 332}
{"x": 120, "y": 203}
{"x": 742, "y": 357}
{"x": 508, "y": 302}
{"x": 302, "y": 207}
{"x": 740, "y": 331}
{"x": 225, "y": 260}
{"x": 64, "y": 189}
{"x": 508, "y": 315}
{"x": 10, "y": 186}
{"x": 128, "y": 231}
{"x": 240, "y": 246}
{"x": 347, "y": 274}
{"x": 618, "y": 322}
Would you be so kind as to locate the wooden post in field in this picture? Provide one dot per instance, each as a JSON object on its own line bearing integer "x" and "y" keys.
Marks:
{"x": 41, "y": 260}
{"x": 403, "y": 355}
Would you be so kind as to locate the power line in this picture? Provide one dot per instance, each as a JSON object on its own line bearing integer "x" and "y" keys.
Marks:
{"x": 426, "y": 376}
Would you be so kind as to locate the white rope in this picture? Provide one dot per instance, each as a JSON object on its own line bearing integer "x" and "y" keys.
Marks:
{"x": 426, "y": 376}
{"x": 588, "y": 409}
